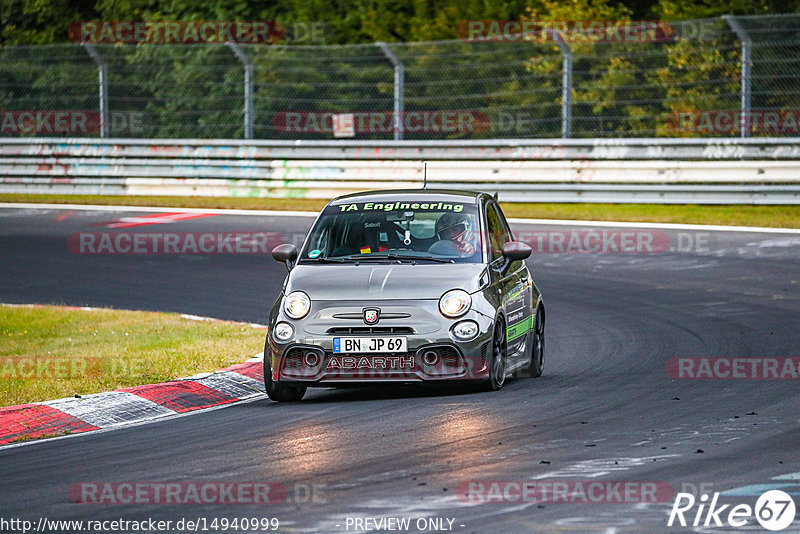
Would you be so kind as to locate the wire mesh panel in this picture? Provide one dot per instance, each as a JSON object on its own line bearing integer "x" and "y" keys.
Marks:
{"x": 489, "y": 89}
{"x": 775, "y": 86}
{"x": 165, "y": 91}
{"x": 299, "y": 90}
{"x": 691, "y": 79}
{"x": 48, "y": 90}
{"x": 645, "y": 88}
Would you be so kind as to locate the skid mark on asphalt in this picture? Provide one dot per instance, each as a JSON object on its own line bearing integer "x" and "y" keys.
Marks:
{"x": 154, "y": 218}
{"x": 488, "y": 456}
{"x": 599, "y": 467}
{"x": 446, "y": 505}
{"x": 722, "y": 432}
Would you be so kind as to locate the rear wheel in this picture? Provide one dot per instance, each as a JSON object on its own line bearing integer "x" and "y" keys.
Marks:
{"x": 497, "y": 364}
{"x": 278, "y": 391}
{"x": 536, "y": 363}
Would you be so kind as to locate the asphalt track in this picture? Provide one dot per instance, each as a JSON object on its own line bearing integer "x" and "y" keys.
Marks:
{"x": 606, "y": 409}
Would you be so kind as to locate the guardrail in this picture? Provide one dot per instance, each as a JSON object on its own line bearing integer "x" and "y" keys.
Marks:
{"x": 710, "y": 171}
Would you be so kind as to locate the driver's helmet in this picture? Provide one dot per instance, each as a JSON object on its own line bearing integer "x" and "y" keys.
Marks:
{"x": 457, "y": 228}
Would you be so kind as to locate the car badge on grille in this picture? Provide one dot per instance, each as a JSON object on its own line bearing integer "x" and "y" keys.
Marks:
{"x": 372, "y": 316}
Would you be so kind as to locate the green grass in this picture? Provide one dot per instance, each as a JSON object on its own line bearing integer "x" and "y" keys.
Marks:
{"x": 244, "y": 203}
{"x": 773, "y": 216}
{"x": 734, "y": 215}
{"x": 53, "y": 352}
{"x": 23, "y": 439}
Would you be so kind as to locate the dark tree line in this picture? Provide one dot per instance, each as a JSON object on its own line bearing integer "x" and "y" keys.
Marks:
{"x": 353, "y": 21}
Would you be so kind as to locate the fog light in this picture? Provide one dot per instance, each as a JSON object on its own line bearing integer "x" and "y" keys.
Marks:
{"x": 283, "y": 332}
{"x": 431, "y": 357}
{"x": 311, "y": 359}
{"x": 465, "y": 330}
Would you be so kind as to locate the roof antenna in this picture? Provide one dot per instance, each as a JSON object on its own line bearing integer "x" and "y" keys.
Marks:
{"x": 424, "y": 175}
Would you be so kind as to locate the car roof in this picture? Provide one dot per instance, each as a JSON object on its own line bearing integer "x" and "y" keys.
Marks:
{"x": 443, "y": 195}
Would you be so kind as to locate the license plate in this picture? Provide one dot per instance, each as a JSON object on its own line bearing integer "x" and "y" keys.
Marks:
{"x": 369, "y": 345}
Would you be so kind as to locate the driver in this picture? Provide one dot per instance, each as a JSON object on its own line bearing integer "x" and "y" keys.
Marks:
{"x": 455, "y": 233}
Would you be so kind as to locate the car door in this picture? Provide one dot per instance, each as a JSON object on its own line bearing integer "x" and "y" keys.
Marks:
{"x": 514, "y": 286}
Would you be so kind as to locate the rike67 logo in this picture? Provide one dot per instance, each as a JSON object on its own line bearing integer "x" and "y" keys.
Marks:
{"x": 774, "y": 510}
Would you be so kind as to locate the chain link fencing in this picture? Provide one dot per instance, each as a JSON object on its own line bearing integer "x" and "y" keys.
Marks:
{"x": 722, "y": 77}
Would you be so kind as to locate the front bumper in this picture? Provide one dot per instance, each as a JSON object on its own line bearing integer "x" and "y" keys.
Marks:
{"x": 433, "y": 352}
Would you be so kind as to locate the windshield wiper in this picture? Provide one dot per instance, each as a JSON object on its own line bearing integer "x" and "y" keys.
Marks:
{"x": 320, "y": 259}
{"x": 356, "y": 258}
{"x": 410, "y": 257}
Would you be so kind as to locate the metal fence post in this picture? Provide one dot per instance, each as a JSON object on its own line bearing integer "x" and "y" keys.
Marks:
{"x": 747, "y": 45}
{"x": 399, "y": 89}
{"x": 248, "y": 87}
{"x": 566, "y": 86}
{"x": 102, "y": 75}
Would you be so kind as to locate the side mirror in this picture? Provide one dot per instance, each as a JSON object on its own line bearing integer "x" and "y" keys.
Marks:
{"x": 516, "y": 250}
{"x": 286, "y": 253}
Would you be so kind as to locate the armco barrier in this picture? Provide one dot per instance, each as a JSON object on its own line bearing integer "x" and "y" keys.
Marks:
{"x": 711, "y": 171}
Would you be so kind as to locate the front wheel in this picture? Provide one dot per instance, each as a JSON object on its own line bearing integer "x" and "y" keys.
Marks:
{"x": 278, "y": 391}
{"x": 497, "y": 365}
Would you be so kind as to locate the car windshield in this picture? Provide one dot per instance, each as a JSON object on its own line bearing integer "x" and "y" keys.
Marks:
{"x": 413, "y": 230}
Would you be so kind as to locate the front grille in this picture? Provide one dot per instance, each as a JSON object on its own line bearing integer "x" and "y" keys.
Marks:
{"x": 293, "y": 359}
{"x": 450, "y": 356}
{"x": 360, "y": 315}
{"x": 369, "y": 330}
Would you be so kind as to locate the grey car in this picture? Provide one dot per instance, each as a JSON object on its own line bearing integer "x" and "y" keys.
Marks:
{"x": 404, "y": 286}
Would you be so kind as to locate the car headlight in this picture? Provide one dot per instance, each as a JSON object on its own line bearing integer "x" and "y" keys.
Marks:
{"x": 455, "y": 303}
{"x": 283, "y": 332}
{"x": 465, "y": 330}
{"x": 297, "y": 305}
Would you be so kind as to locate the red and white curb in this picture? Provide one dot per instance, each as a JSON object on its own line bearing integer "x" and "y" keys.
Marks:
{"x": 132, "y": 405}
{"x": 127, "y": 406}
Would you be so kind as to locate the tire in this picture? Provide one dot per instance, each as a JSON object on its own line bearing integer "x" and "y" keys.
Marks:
{"x": 536, "y": 364}
{"x": 278, "y": 391}
{"x": 497, "y": 364}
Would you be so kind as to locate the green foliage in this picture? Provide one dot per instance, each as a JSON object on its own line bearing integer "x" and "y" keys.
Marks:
{"x": 699, "y": 9}
{"x": 196, "y": 91}
{"x": 353, "y": 21}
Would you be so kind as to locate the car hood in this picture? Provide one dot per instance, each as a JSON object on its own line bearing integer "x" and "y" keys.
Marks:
{"x": 383, "y": 281}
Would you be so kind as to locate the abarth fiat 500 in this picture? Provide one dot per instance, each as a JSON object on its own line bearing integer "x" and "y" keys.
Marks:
{"x": 404, "y": 286}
